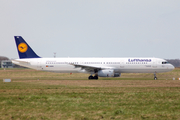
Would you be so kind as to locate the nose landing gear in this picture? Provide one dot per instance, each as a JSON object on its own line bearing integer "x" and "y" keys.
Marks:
{"x": 155, "y": 78}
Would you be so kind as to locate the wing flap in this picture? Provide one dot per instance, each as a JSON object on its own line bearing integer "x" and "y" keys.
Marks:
{"x": 89, "y": 68}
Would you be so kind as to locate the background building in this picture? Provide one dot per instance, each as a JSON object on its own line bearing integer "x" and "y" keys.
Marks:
{"x": 3, "y": 58}
{"x": 6, "y": 64}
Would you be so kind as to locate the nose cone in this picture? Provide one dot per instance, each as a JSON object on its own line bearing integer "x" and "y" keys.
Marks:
{"x": 171, "y": 67}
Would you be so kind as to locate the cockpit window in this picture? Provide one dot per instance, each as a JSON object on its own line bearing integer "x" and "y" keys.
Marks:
{"x": 165, "y": 62}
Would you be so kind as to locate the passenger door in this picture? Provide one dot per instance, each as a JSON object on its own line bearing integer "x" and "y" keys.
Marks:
{"x": 39, "y": 66}
{"x": 122, "y": 64}
{"x": 154, "y": 65}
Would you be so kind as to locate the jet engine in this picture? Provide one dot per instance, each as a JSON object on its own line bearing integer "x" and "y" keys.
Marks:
{"x": 108, "y": 73}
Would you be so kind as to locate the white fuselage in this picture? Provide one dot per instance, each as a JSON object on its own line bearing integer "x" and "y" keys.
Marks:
{"x": 120, "y": 65}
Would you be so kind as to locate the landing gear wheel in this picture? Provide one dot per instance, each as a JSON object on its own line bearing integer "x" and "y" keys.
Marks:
{"x": 155, "y": 78}
{"x": 96, "y": 77}
{"x": 90, "y": 77}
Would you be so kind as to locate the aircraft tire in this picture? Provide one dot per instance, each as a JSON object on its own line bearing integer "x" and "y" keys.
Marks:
{"x": 155, "y": 78}
{"x": 96, "y": 77}
{"x": 90, "y": 77}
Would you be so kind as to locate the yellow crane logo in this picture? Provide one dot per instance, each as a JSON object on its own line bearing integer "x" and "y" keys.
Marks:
{"x": 22, "y": 47}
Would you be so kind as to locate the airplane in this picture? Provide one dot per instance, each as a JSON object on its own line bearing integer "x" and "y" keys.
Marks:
{"x": 96, "y": 67}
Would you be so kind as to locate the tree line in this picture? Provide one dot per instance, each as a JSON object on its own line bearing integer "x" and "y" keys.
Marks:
{"x": 175, "y": 62}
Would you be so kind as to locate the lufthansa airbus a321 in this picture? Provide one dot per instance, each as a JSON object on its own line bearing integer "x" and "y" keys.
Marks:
{"x": 96, "y": 67}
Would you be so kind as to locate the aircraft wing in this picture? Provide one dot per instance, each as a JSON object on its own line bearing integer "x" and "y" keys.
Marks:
{"x": 89, "y": 68}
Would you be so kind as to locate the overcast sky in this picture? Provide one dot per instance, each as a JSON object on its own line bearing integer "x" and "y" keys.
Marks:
{"x": 92, "y": 28}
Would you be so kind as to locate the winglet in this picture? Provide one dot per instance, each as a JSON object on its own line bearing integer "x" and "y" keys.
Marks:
{"x": 24, "y": 50}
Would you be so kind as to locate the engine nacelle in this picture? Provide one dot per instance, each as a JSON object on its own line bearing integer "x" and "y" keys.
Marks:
{"x": 108, "y": 73}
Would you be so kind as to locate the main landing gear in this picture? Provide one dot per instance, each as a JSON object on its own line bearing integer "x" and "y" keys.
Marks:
{"x": 155, "y": 78}
{"x": 93, "y": 77}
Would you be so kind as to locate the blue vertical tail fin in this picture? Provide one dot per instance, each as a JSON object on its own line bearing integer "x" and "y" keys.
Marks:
{"x": 24, "y": 50}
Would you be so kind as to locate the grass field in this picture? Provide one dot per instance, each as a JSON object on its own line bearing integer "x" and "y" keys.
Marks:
{"x": 42, "y": 95}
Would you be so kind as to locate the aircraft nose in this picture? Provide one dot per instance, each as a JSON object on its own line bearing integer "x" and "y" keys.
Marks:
{"x": 172, "y": 67}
